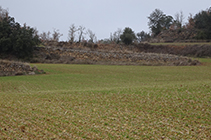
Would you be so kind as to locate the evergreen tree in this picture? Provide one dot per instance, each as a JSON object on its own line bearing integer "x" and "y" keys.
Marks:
{"x": 14, "y": 39}
{"x": 203, "y": 24}
{"x": 128, "y": 36}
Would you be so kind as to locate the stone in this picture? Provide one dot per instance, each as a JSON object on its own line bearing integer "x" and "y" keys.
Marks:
{"x": 31, "y": 73}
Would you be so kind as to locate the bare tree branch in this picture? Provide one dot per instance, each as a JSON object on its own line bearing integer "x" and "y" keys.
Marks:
{"x": 56, "y": 35}
{"x": 92, "y": 36}
{"x": 71, "y": 35}
{"x": 179, "y": 19}
{"x": 81, "y": 32}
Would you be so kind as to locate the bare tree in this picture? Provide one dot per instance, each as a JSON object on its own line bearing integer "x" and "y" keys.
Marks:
{"x": 72, "y": 33}
{"x": 3, "y": 13}
{"x": 116, "y": 35}
{"x": 179, "y": 19}
{"x": 92, "y": 36}
{"x": 81, "y": 32}
{"x": 190, "y": 24}
{"x": 56, "y": 35}
{"x": 45, "y": 36}
{"x": 159, "y": 21}
{"x": 111, "y": 37}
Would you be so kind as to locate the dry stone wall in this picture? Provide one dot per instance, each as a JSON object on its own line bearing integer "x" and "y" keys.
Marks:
{"x": 84, "y": 56}
{"x": 12, "y": 68}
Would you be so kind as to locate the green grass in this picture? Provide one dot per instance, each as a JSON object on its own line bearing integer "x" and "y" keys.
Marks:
{"x": 107, "y": 102}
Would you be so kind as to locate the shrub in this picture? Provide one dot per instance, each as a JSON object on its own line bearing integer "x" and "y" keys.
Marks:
{"x": 128, "y": 36}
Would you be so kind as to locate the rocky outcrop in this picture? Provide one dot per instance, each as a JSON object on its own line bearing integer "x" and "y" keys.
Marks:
{"x": 12, "y": 68}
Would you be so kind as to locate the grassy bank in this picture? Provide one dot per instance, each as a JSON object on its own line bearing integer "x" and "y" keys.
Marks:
{"x": 107, "y": 102}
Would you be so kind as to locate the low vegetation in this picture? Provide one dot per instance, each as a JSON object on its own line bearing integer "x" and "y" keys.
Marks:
{"x": 107, "y": 102}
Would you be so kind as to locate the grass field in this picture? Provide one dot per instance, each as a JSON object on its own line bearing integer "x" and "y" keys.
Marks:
{"x": 107, "y": 102}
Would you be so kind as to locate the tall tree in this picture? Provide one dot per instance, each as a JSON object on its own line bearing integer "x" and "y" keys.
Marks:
{"x": 159, "y": 21}
{"x": 167, "y": 22}
{"x": 203, "y": 24}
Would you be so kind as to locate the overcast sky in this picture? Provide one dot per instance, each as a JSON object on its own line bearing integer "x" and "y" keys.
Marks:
{"x": 101, "y": 16}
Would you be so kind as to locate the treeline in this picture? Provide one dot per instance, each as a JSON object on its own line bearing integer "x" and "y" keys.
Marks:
{"x": 19, "y": 40}
{"x": 200, "y": 23}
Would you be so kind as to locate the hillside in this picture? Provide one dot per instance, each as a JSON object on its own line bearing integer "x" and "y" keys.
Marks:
{"x": 109, "y": 54}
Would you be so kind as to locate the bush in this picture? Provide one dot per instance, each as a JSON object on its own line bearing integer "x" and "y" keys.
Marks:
{"x": 128, "y": 36}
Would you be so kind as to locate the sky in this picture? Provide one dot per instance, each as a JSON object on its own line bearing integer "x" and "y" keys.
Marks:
{"x": 103, "y": 17}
